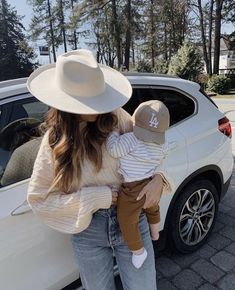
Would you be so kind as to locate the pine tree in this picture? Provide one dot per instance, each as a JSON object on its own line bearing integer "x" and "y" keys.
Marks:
{"x": 187, "y": 62}
{"x": 166, "y": 26}
{"x": 74, "y": 20}
{"x": 15, "y": 55}
{"x": 60, "y": 8}
{"x": 43, "y": 24}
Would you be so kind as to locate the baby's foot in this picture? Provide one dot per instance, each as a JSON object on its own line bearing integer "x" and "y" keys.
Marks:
{"x": 154, "y": 230}
{"x": 139, "y": 258}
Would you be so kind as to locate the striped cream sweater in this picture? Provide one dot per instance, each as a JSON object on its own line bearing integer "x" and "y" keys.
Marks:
{"x": 72, "y": 213}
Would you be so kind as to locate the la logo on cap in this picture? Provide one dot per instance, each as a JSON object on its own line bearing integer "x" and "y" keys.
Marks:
{"x": 153, "y": 121}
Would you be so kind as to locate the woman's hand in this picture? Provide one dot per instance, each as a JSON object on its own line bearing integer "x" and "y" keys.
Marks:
{"x": 152, "y": 191}
{"x": 114, "y": 197}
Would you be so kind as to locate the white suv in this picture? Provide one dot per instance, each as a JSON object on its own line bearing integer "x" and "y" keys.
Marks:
{"x": 199, "y": 161}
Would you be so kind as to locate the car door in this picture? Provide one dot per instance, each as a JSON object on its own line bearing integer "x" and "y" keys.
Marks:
{"x": 180, "y": 107}
{"x": 32, "y": 256}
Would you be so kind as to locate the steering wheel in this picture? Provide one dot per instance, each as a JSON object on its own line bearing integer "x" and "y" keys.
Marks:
{"x": 8, "y": 133}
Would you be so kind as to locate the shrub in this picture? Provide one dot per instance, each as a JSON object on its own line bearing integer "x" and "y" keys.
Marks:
{"x": 161, "y": 66}
{"x": 144, "y": 66}
{"x": 187, "y": 63}
{"x": 219, "y": 84}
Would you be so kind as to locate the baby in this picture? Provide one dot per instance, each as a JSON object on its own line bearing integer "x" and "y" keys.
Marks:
{"x": 140, "y": 153}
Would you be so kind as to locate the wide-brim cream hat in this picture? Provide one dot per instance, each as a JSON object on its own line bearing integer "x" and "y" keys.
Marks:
{"x": 76, "y": 83}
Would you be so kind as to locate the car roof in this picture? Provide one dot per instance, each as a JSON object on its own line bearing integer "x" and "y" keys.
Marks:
{"x": 13, "y": 87}
{"x": 160, "y": 80}
{"x": 18, "y": 86}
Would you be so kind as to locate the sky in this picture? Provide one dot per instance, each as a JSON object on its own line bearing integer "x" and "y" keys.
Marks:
{"x": 24, "y": 9}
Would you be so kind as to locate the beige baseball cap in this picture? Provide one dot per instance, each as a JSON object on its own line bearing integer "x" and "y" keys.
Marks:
{"x": 151, "y": 120}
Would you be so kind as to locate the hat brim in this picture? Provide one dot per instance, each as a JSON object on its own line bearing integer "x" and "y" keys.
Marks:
{"x": 148, "y": 136}
{"x": 118, "y": 91}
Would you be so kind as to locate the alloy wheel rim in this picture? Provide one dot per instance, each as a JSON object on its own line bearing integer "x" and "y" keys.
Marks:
{"x": 197, "y": 217}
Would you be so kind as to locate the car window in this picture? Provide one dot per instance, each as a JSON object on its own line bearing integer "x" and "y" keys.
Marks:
{"x": 28, "y": 108}
{"x": 0, "y": 116}
{"x": 179, "y": 105}
{"x": 19, "y": 138}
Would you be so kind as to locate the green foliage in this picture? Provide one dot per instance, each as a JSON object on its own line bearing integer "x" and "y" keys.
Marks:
{"x": 16, "y": 55}
{"x": 187, "y": 63}
{"x": 161, "y": 66}
{"x": 219, "y": 84}
{"x": 144, "y": 66}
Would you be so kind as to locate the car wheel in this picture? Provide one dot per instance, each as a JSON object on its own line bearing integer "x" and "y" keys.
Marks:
{"x": 193, "y": 216}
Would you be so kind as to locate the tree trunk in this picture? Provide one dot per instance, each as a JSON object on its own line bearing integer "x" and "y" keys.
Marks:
{"x": 152, "y": 33}
{"x": 202, "y": 27}
{"x": 165, "y": 42}
{"x": 218, "y": 17}
{"x": 116, "y": 31}
{"x": 74, "y": 32}
{"x": 51, "y": 30}
{"x": 210, "y": 37}
{"x": 62, "y": 24}
{"x": 4, "y": 24}
{"x": 133, "y": 53}
{"x": 172, "y": 21}
{"x": 128, "y": 34}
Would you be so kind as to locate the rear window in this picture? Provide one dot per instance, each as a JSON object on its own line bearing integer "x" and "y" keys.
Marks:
{"x": 179, "y": 105}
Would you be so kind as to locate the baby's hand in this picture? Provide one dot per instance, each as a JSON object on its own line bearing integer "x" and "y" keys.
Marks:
{"x": 114, "y": 197}
{"x": 154, "y": 231}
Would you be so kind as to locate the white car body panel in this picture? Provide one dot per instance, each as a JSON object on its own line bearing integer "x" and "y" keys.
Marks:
{"x": 29, "y": 250}
{"x": 176, "y": 164}
{"x": 206, "y": 145}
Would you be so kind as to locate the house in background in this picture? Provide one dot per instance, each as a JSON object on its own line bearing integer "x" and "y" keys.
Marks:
{"x": 227, "y": 55}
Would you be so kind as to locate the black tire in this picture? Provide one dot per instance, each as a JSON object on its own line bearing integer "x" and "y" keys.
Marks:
{"x": 191, "y": 226}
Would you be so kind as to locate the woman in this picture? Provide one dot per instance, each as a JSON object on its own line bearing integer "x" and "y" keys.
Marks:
{"x": 74, "y": 185}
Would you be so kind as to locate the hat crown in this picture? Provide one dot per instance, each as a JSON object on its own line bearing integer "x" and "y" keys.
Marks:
{"x": 152, "y": 115}
{"x": 78, "y": 74}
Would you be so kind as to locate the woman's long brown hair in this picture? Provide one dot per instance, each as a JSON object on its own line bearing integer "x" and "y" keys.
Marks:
{"x": 71, "y": 144}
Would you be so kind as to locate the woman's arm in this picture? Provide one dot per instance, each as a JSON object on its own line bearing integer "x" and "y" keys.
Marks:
{"x": 68, "y": 213}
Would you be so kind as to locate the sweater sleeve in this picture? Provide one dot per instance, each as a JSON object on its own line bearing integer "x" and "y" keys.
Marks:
{"x": 68, "y": 213}
{"x": 120, "y": 145}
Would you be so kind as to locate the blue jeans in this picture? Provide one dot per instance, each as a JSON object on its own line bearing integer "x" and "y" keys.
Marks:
{"x": 94, "y": 248}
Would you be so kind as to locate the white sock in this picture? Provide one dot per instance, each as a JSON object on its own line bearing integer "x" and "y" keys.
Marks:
{"x": 138, "y": 260}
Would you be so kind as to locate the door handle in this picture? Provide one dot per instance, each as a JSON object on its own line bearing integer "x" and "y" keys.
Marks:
{"x": 21, "y": 209}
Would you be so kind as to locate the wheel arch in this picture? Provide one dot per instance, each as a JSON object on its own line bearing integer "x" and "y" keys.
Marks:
{"x": 210, "y": 172}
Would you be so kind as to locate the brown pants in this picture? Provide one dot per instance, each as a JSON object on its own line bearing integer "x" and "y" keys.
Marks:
{"x": 129, "y": 210}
